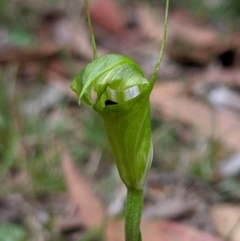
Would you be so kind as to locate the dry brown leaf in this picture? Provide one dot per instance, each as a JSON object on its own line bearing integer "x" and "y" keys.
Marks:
{"x": 155, "y": 230}
{"x": 44, "y": 50}
{"x": 175, "y": 231}
{"x": 189, "y": 41}
{"x": 171, "y": 208}
{"x": 227, "y": 77}
{"x": 72, "y": 36}
{"x": 226, "y": 219}
{"x": 57, "y": 65}
{"x": 114, "y": 230}
{"x": 90, "y": 207}
{"x": 109, "y": 15}
{"x": 221, "y": 125}
{"x": 148, "y": 26}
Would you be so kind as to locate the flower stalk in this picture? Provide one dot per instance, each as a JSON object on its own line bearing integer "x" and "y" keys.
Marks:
{"x": 122, "y": 101}
{"x": 133, "y": 213}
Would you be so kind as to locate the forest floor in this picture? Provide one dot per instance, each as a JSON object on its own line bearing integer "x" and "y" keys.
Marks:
{"x": 57, "y": 174}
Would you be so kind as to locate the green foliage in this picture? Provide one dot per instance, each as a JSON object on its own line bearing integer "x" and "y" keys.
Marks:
{"x": 226, "y": 10}
{"x": 20, "y": 37}
{"x": 203, "y": 168}
{"x": 46, "y": 176}
{"x": 229, "y": 188}
{"x": 9, "y": 136}
{"x": 166, "y": 145}
{"x": 93, "y": 234}
{"x": 95, "y": 135}
{"x": 27, "y": 145}
{"x": 12, "y": 232}
{"x": 214, "y": 10}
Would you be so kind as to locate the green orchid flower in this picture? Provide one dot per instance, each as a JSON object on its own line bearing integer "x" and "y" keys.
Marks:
{"x": 122, "y": 100}
{"x": 115, "y": 87}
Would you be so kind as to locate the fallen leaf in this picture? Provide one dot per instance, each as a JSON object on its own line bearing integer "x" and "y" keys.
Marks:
{"x": 114, "y": 230}
{"x": 46, "y": 49}
{"x": 171, "y": 208}
{"x": 217, "y": 76}
{"x": 189, "y": 41}
{"x": 91, "y": 210}
{"x": 148, "y": 26}
{"x": 155, "y": 230}
{"x": 109, "y": 15}
{"x": 222, "y": 125}
{"x": 71, "y": 36}
{"x": 226, "y": 219}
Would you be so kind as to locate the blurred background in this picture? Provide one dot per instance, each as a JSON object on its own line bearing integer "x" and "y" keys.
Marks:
{"x": 58, "y": 180}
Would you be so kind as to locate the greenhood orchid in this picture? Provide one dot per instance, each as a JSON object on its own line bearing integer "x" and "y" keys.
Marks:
{"x": 122, "y": 100}
{"x": 115, "y": 87}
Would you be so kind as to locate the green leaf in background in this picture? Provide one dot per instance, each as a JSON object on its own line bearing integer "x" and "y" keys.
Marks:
{"x": 12, "y": 232}
{"x": 20, "y": 38}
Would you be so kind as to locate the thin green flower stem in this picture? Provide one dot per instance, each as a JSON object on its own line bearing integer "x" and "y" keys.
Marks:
{"x": 91, "y": 30}
{"x": 133, "y": 213}
{"x": 162, "y": 46}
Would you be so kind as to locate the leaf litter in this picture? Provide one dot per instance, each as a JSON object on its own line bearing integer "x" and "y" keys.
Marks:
{"x": 194, "y": 139}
